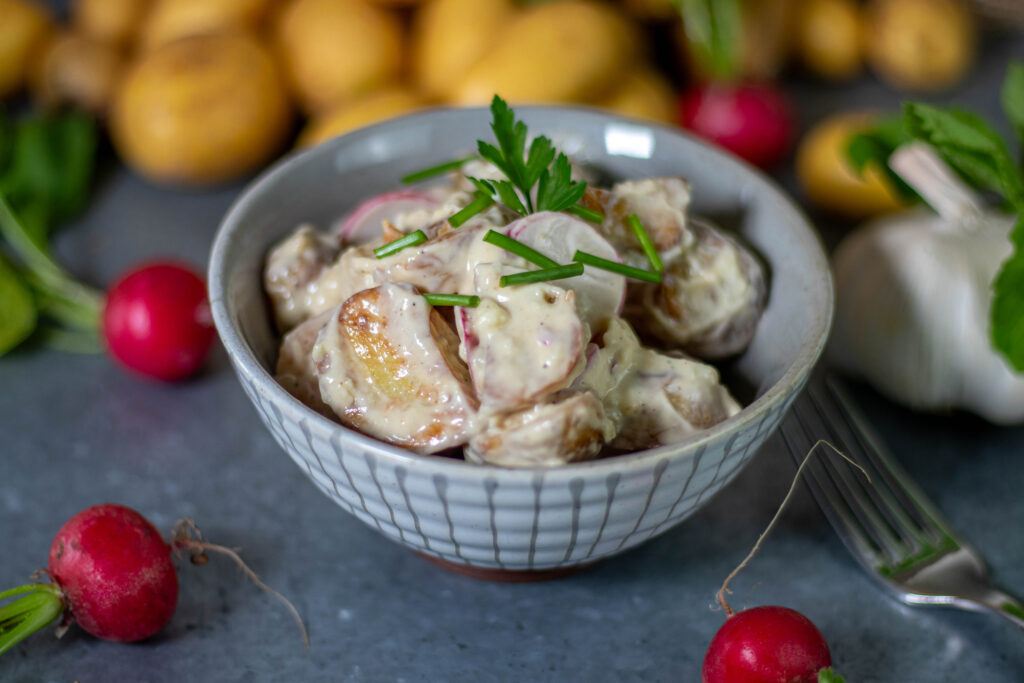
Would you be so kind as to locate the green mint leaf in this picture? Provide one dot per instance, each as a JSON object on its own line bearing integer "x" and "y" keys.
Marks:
{"x": 714, "y": 33}
{"x": 970, "y": 146}
{"x": 17, "y": 308}
{"x": 1012, "y": 98}
{"x": 829, "y": 675}
{"x": 1007, "y": 314}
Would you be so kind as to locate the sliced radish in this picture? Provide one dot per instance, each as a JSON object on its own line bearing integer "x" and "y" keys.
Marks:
{"x": 600, "y": 294}
{"x": 364, "y": 223}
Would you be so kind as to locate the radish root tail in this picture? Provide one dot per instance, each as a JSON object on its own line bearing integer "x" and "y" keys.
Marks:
{"x": 186, "y": 536}
{"x": 724, "y": 590}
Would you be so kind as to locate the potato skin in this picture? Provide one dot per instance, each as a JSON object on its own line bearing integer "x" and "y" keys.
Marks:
{"x": 827, "y": 38}
{"x": 571, "y": 51}
{"x": 172, "y": 19}
{"x": 333, "y": 50}
{"x": 201, "y": 110}
{"x": 363, "y": 111}
{"x": 78, "y": 70}
{"x": 110, "y": 21}
{"x": 24, "y": 29}
{"x": 643, "y": 94}
{"x": 828, "y": 179}
{"x": 449, "y": 36}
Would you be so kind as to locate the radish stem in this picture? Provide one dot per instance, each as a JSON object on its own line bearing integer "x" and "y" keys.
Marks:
{"x": 39, "y": 604}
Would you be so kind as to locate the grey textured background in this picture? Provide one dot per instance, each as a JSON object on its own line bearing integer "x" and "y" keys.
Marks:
{"x": 76, "y": 431}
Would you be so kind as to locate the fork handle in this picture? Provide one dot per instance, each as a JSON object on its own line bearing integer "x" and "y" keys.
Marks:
{"x": 1004, "y": 605}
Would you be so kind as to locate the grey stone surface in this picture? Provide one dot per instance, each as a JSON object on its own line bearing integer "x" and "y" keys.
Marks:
{"x": 76, "y": 431}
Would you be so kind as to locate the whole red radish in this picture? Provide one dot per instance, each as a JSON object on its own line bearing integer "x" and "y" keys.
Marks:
{"x": 116, "y": 573}
{"x": 754, "y": 121}
{"x": 766, "y": 644}
{"x": 157, "y": 321}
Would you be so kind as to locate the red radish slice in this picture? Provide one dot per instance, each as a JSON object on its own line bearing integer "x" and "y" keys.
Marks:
{"x": 363, "y": 224}
{"x": 600, "y": 294}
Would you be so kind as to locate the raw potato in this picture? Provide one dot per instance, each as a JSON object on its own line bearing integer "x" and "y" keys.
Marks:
{"x": 201, "y": 110}
{"x": 381, "y": 105}
{"x": 924, "y": 45}
{"x": 449, "y": 36}
{"x": 78, "y": 70}
{"x": 110, "y": 21}
{"x": 336, "y": 49}
{"x": 24, "y": 28}
{"x": 173, "y": 19}
{"x": 828, "y": 179}
{"x": 643, "y": 94}
{"x": 827, "y": 37}
{"x": 557, "y": 52}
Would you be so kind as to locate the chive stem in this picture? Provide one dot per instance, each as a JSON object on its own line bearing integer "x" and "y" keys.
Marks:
{"x": 447, "y": 166}
{"x": 469, "y": 210}
{"x": 519, "y": 249}
{"x": 585, "y": 213}
{"x": 583, "y": 257}
{"x": 469, "y": 301}
{"x": 543, "y": 275}
{"x": 645, "y": 242}
{"x": 410, "y": 240}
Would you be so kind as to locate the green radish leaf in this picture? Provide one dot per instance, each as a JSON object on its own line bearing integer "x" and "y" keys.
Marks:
{"x": 714, "y": 31}
{"x": 17, "y": 308}
{"x": 829, "y": 675}
{"x": 874, "y": 147}
{"x": 1012, "y": 97}
{"x": 1007, "y": 315}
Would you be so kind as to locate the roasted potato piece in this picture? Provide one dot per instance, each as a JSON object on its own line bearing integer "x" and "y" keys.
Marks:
{"x": 565, "y": 428}
{"x": 291, "y": 266}
{"x": 24, "y": 29}
{"x": 388, "y": 366}
{"x": 659, "y": 203}
{"x": 295, "y": 369}
{"x": 521, "y": 343}
{"x": 710, "y": 298}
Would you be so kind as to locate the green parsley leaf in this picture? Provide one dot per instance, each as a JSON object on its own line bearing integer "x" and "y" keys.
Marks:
{"x": 556, "y": 190}
{"x": 1012, "y": 98}
{"x": 502, "y": 190}
{"x": 17, "y": 308}
{"x": 829, "y": 675}
{"x": 970, "y": 147}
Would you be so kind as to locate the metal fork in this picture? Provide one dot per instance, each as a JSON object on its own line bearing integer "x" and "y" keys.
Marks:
{"x": 889, "y": 525}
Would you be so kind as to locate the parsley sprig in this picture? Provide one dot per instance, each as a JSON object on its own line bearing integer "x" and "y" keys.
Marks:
{"x": 982, "y": 158}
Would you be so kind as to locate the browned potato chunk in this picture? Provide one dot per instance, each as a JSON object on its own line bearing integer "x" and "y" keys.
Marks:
{"x": 565, "y": 428}
{"x": 388, "y": 366}
{"x": 292, "y": 266}
{"x": 295, "y": 369}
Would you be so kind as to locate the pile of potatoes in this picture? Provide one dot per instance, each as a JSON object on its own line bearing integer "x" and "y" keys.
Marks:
{"x": 197, "y": 92}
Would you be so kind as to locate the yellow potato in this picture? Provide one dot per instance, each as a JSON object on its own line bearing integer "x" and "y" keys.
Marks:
{"x": 112, "y": 21}
{"x": 569, "y": 51}
{"x": 924, "y": 45}
{"x": 830, "y": 181}
{"x": 333, "y": 50}
{"x": 201, "y": 110}
{"x": 173, "y": 19}
{"x": 827, "y": 37}
{"x": 449, "y": 36}
{"x": 78, "y": 70}
{"x": 24, "y": 29}
{"x": 643, "y": 94}
{"x": 378, "y": 106}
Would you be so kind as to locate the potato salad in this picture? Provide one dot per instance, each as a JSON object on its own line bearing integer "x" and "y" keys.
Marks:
{"x": 503, "y": 321}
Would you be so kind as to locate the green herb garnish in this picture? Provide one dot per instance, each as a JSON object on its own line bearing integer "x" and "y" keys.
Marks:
{"x": 645, "y": 242}
{"x": 981, "y": 157}
{"x": 480, "y": 202}
{"x": 446, "y": 167}
{"x": 585, "y": 213}
{"x": 714, "y": 34}
{"x": 522, "y": 169}
{"x": 410, "y": 240}
{"x": 519, "y": 249}
{"x": 615, "y": 267}
{"x": 543, "y": 275}
{"x": 468, "y": 301}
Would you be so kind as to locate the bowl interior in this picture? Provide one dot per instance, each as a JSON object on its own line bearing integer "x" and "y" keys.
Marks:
{"x": 320, "y": 185}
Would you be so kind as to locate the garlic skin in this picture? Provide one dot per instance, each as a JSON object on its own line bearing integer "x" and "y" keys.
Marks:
{"x": 913, "y": 294}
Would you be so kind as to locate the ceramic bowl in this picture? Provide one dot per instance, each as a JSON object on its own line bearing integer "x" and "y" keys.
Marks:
{"x": 488, "y": 520}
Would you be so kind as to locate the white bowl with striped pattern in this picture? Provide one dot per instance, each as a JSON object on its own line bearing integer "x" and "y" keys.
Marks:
{"x": 500, "y": 522}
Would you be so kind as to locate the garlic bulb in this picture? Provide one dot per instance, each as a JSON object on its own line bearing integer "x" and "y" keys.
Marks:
{"x": 913, "y": 293}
